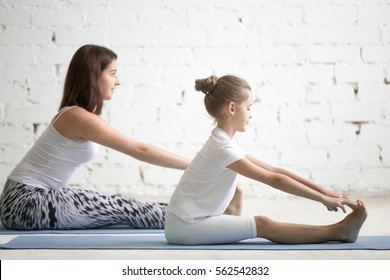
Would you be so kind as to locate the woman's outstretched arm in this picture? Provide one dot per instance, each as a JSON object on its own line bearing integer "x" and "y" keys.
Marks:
{"x": 80, "y": 125}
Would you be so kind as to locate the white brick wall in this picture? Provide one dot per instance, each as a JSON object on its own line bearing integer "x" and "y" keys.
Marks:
{"x": 320, "y": 72}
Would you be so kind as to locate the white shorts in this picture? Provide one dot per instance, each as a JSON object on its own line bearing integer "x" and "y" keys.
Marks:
{"x": 212, "y": 230}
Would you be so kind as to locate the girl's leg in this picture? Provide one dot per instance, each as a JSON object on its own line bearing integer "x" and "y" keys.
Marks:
{"x": 346, "y": 230}
{"x": 236, "y": 205}
{"x": 213, "y": 230}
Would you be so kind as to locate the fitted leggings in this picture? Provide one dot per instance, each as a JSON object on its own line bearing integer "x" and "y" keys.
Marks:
{"x": 211, "y": 230}
{"x": 31, "y": 208}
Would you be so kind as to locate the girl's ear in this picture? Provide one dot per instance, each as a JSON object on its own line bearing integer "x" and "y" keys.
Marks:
{"x": 231, "y": 108}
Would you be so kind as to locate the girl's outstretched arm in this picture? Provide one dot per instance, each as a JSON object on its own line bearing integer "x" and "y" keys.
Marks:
{"x": 295, "y": 177}
{"x": 267, "y": 175}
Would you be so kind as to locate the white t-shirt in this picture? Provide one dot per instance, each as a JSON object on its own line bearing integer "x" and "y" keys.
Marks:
{"x": 207, "y": 186}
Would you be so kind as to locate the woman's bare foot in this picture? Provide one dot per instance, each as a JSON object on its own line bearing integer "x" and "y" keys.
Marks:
{"x": 352, "y": 224}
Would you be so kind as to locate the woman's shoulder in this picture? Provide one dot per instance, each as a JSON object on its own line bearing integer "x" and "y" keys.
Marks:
{"x": 77, "y": 113}
{"x": 72, "y": 122}
{"x": 77, "y": 110}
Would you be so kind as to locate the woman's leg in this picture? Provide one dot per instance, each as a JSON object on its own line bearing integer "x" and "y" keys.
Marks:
{"x": 346, "y": 230}
{"x": 95, "y": 210}
{"x": 31, "y": 208}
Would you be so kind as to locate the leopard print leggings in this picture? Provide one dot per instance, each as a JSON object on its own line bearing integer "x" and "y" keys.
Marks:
{"x": 30, "y": 208}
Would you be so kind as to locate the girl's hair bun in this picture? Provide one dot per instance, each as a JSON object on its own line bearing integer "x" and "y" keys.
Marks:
{"x": 207, "y": 85}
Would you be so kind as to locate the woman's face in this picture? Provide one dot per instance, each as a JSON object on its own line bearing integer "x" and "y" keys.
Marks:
{"x": 109, "y": 81}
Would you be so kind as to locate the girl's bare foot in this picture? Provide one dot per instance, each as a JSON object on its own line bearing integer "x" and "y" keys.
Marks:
{"x": 353, "y": 222}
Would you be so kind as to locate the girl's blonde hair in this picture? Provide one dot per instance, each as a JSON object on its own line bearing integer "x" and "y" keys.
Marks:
{"x": 220, "y": 91}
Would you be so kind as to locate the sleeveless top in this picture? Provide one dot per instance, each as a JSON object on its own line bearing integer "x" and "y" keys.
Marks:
{"x": 53, "y": 159}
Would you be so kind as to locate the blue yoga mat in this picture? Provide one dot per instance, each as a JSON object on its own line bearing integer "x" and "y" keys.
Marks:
{"x": 158, "y": 242}
{"x": 116, "y": 229}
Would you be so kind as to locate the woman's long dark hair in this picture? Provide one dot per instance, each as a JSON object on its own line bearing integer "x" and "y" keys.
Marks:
{"x": 81, "y": 86}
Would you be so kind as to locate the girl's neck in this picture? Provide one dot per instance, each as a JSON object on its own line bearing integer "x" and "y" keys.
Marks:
{"x": 227, "y": 129}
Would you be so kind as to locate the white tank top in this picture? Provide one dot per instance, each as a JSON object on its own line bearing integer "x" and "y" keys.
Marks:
{"x": 53, "y": 159}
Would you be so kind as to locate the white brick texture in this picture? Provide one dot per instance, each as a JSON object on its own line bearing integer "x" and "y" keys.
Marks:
{"x": 319, "y": 70}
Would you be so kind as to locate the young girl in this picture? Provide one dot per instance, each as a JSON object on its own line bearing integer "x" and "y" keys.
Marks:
{"x": 195, "y": 211}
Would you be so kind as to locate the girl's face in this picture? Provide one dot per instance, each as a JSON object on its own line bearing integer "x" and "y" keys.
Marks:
{"x": 243, "y": 114}
{"x": 109, "y": 81}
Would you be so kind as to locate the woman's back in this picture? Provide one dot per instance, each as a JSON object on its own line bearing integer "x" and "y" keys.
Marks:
{"x": 53, "y": 159}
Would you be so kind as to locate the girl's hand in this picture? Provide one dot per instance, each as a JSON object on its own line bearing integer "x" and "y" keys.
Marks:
{"x": 334, "y": 194}
{"x": 333, "y": 203}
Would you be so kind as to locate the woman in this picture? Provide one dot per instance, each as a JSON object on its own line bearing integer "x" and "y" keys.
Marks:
{"x": 35, "y": 196}
{"x": 195, "y": 211}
